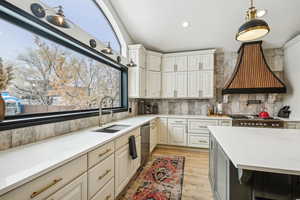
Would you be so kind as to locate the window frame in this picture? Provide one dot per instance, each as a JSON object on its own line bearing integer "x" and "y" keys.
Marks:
{"x": 19, "y": 121}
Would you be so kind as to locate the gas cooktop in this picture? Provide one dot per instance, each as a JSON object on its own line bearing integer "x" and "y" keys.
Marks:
{"x": 255, "y": 121}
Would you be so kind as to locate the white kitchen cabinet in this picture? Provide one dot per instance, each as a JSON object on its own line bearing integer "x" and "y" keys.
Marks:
{"x": 153, "y": 134}
{"x": 163, "y": 131}
{"x": 201, "y": 62}
{"x": 168, "y": 84}
{"x": 125, "y": 166}
{"x": 177, "y": 133}
{"x": 181, "y": 63}
{"x": 181, "y": 82}
{"x": 122, "y": 169}
{"x": 200, "y": 84}
{"x": 153, "y": 84}
{"x": 138, "y": 54}
{"x": 154, "y": 60}
{"x": 137, "y": 82}
{"x": 168, "y": 64}
{"x": 76, "y": 190}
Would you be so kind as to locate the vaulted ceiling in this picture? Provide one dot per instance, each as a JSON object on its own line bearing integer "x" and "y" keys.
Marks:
{"x": 213, "y": 23}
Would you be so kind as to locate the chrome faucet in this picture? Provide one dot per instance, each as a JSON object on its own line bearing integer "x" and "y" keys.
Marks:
{"x": 100, "y": 109}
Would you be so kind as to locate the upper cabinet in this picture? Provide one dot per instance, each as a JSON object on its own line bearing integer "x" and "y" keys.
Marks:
{"x": 173, "y": 75}
{"x": 153, "y": 61}
{"x": 173, "y": 63}
{"x": 138, "y": 54}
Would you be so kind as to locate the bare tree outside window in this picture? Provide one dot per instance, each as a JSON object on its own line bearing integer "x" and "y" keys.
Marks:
{"x": 50, "y": 77}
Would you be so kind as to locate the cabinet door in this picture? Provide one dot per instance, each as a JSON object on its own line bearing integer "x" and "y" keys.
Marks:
{"x": 181, "y": 84}
{"x": 135, "y": 164}
{"x": 206, "y": 84}
{"x": 76, "y": 190}
{"x": 153, "y": 84}
{"x": 142, "y": 82}
{"x": 122, "y": 168}
{"x": 168, "y": 84}
{"x": 168, "y": 64}
{"x": 153, "y": 135}
{"x": 222, "y": 175}
{"x": 181, "y": 63}
{"x": 207, "y": 62}
{"x": 194, "y": 63}
{"x": 133, "y": 82}
{"x": 163, "y": 131}
{"x": 153, "y": 62}
{"x": 212, "y": 165}
{"x": 193, "y": 86}
{"x": 177, "y": 134}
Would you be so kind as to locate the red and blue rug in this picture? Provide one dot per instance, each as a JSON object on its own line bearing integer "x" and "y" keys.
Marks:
{"x": 160, "y": 179}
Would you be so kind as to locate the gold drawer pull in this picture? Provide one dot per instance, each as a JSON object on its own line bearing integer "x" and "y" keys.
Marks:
{"x": 102, "y": 154}
{"x": 202, "y": 141}
{"x": 103, "y": 175}
{"x": 34, "y": 194}
{"x": 107, "y": 197}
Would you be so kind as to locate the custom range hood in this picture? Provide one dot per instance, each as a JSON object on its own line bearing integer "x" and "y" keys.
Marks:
{"x": 252, "y": 73}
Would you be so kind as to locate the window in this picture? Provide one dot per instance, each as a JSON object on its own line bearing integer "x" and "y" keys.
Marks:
{"x": 92, "y": 20}
{"x": 48, "y": 77}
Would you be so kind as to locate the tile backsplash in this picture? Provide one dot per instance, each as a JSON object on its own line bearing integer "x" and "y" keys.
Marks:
{"x": 236, "y": 104}
{"x": 21, "y": 136}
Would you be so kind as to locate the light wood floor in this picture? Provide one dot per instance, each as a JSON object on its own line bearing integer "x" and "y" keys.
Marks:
{"x": 196, "y": 185}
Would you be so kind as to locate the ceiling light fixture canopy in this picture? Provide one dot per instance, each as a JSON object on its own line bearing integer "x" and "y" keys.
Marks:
{"x": 253, "y": 28}
{"x": 107, "y": 50}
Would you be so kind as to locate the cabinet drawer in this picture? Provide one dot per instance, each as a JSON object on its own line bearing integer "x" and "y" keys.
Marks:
{"x": 203, "y": 132}
{"x": 177, "y": 121}
{"x": 198, "y": 141}
{"x": 100, "y": 174}
{"x": 100, "y": 154}
{"x": 124, "y": 139}
{"x": 195, "y": 125}
{"x": 107, "y": 192}
{"x": 49, "y": 183}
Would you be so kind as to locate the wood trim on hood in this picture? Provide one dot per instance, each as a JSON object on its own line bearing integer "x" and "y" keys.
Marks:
{"x": 252, "y": 73}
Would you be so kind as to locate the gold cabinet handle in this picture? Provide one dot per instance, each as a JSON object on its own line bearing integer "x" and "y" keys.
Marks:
{"x": 202, "y": 141}
{"x": 102, "y": 154}
{"x": 107, "y": 197}
{"x": 54, "y": 182}
{"x": 103, "y": 175}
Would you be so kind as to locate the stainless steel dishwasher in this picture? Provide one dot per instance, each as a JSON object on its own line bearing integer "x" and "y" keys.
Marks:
{"x": 145, "y": 144}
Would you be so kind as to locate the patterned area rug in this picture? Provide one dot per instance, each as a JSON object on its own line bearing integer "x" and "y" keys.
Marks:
{"x": 160, "y": 179}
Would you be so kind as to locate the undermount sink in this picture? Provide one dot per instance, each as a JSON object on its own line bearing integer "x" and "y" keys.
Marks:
{"x": 112, "y": 129}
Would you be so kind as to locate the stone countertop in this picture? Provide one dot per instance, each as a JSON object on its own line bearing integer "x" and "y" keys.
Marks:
{"x": 261, "y": 149}
{"x": 22, "y": 164}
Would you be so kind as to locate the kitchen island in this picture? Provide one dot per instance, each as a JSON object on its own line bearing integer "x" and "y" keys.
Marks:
{"x": 254, "y": 163}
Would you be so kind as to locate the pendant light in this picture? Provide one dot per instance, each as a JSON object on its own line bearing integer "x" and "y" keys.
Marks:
{"x": 59, "y": 18}
{"x": 107, "y": 50}
{"x": 131, "y": 64}
{"x": 253, "y": 28}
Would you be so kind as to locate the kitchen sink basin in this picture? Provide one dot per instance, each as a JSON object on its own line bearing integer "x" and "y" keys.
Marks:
{"x": 112, "y": 129}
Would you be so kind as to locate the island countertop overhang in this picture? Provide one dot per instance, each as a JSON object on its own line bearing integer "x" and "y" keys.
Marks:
{"x": 260, "y": 149}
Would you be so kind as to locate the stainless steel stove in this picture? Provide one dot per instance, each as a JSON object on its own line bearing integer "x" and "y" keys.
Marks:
{"x": 255, "y": 121}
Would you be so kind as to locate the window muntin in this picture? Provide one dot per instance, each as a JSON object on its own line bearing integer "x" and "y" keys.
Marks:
{"x": 50, "y": 77}
{"x": 92, "y": 20}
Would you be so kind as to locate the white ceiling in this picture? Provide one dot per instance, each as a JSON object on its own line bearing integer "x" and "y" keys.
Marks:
{"x": 157, "y": 23}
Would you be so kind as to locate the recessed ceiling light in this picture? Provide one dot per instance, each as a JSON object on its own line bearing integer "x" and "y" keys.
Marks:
{"x": 185, "y": 24}
{"x": 261, "y": 13}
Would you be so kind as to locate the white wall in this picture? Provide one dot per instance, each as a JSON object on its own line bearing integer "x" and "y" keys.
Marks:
{"x": 117, "y": 24}
{"x": 292, "y": 75}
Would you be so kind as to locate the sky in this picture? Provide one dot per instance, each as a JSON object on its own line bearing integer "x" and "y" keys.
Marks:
{"x": 14, "y": 40}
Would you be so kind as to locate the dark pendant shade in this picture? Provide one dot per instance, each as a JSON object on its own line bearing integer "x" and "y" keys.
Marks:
{"x": 252, "y": 30}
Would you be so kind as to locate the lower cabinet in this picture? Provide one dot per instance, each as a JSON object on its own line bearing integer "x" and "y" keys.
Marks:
{"x": 163, "y": 131}
{"x": 125, "y": 166}
{"x": 76, "y": 190}
{"x": 177, "y": 133}
{"x": 153, "y": 134}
